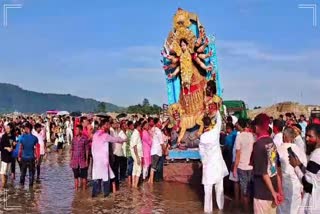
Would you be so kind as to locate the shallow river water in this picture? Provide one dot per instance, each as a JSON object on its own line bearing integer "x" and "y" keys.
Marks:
{"x": 55, "y": 194}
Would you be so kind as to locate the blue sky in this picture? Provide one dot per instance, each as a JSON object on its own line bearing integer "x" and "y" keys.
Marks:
{"x": 109, "y": 50}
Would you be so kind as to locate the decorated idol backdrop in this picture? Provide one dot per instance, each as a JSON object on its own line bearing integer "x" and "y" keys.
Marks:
{"x": 192, "y": 75}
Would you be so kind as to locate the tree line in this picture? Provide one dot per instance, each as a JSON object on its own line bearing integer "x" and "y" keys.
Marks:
{"x": 143, "y": 108}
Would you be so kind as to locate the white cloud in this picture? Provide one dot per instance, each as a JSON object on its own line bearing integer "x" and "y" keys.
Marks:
{"x": 249, "y": 71}
{"x": 254, "y": 51}
{"x": 261, "y": 77}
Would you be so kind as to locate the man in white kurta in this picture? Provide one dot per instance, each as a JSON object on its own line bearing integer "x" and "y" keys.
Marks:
{"x": 137, "y": 154}
{"x": 292, "y": 188}
{"x": 310, "y": 176}
{"x": 214, "y": 167}
{"x": 100, "y": 153}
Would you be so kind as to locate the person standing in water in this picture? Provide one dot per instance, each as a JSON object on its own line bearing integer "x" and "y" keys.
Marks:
{"x": 128, "y": 153}
{"x": 137, "y": 154}
{"x": 27, "y": 154}
{"x": 79, "y": 158}
{"x": 101, "y": 170}
{"x": 37, "y": 131}
{"x": 6, "y": 147}
{"x": 146, "y": 142}
{"x": 214, "y": 168}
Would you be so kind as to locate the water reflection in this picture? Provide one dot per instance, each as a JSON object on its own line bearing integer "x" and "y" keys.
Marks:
{"x": 55, "y": 194}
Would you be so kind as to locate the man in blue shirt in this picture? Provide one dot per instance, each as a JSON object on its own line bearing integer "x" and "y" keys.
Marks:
{"x": 27, "y": 154}
{"x": 231, "y": 153}
{"x": 231, "y": 136}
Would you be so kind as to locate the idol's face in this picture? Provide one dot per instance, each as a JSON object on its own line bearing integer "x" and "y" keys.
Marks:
{"x": 183, "y": 46}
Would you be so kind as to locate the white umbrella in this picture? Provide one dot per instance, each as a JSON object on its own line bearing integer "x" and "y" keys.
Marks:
{"x": 62, "y": 113}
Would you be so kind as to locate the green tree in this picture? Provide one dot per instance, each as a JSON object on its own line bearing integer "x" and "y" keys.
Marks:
{"x": 101, "y": 107}
{"x": 145, "y": 102}
{"x": 144, "y": 109}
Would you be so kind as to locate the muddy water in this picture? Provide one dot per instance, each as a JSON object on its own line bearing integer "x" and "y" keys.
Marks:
{"x": 56, "y": 194}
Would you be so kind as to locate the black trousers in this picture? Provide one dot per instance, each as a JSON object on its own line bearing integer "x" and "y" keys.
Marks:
{"x": 97, "y": 188}
{"x": 30, "y": 165}
{"x": 38, "y": 166}
{"x": 119, "y": 168}
{"x": 13, "y": 165}
{"x": 159, "y": 172}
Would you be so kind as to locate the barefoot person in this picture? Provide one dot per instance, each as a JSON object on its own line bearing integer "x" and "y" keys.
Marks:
{"x": 137, "y": 155}
{"x": 128, "y": 153}
{"x": 6, "y": 148}
{"x": 27, "y": 154}
{"x": 79, "y": 158}
{"x": 214, "y": 168}
{"x": 146, "y": 142}
{"x": 156, "y": 148}
{"x": 101, "y": 170}
{"x": 37, "y": 131}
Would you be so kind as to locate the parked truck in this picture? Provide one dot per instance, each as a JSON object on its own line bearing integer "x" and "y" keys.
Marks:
{"x": 237, "y": 108}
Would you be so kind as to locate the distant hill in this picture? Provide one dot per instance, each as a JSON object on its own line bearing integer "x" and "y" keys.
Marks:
{"x": 14, "y": 98}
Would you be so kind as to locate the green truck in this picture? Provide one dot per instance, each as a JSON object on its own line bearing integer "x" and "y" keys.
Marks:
{"x": 237, "y": 108}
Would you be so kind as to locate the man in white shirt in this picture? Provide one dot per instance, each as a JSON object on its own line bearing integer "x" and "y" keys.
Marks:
{"x": 271, "y": 123}
{"x": 137, "y": 154}
{"x": 156, "y": 148}
{"x": 116, "y": 152}
{"x": 310, "y": 176}
{"x": 303, "y": 123}
{"x": 214, "y": 167}
{"x": 69, "y": 128}
{"x": 37, "y": 132}
{"x": 290, "y": 181}
{"x": 298, "y": 140}
{"x": 234, "y": 119}
{"x": 244, "y": 146}
{"x": 277, "y": 130}
{"x": 119, "y": 153}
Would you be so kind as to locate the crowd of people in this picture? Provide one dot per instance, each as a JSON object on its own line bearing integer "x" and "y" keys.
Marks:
{"x": 22, "y": 141}
{"x": 273, "y": 164}
{"x": 118, "y": 151}
{"x": 104, "y": 149}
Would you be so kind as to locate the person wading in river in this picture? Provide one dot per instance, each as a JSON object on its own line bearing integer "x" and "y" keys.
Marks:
{"x": 42, "y": 146}
{"x": 214, "y": 167}
{"x": 27, "y": 154}
{"x": 6, "y": 146}
{"x": 101, "y": 170}
{"x": 79, "y": 158}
